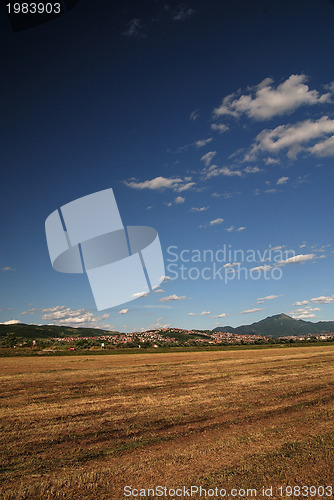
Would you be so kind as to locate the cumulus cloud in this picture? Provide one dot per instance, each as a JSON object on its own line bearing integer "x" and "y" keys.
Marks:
{"x": 174, "y": 183}
{"x": 219, "y": 127}
{"x": 123, "y": 311}
{"x": 323, "y": 148}
{"x": 264, "y": 101}
{"x": 297, "y": 259}
{"x": 301, "y": 303}
{"x": 63, "y": 315}
{"x": 216, "y": 221}
{"x": 179, "y": 199}
{"x": 293, "y": 138}
{"x": 255, "y": 309}
{"x": 171, "y": 298}
{"x": 207, "y": 158}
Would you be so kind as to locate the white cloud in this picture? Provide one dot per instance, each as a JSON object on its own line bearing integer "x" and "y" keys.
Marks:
{"x": 323, "y": 299}
{"x": 11, "y": 322}
{"x": 293, "y": 138}
{"x": 159, "y": 290}
{"x": 175, "y": 183}
{"x": 271, "y": 161}
{"x": 229, "y": 229}
{"x": 139, "y": 295}
{"x": 324, "y": 148}
{"x": 219, "y": 127}
{"x": 304, "y": 316}
{"x": 268, "y": 297}
{"x": 223, "y": 315}
{"x": 200, "y": 209}
{"x": 6, "y": 269}
{"x": 282, "y": 180}
{"x": 179, "y": 199}
{"x": 216, "y": 221}
{"x": 207, "y": 158}
{"x": 255, "y": 309}
{"x": 172, "y": 297}
{"x": 252, "y": 170}
{"x": 63, "y": 315}
{"x": 203, "y": 142}
{"x": 203, "y": 313}
{"x": 241, "y": 228}
{"x": 123, "y": 311}
{"x": 301, "y": 303}
{"x": 264, "y": 101}
{"x": 214, "y": 171}
{"x": 297, "y": 259}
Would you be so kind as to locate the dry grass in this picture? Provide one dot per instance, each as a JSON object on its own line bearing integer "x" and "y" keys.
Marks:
{"x": 84, "y": 427}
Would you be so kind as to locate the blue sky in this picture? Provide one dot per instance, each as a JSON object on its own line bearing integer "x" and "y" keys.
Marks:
{"x": 213, "y": 122}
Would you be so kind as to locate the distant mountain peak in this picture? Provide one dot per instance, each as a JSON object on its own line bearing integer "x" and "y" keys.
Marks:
{"x": 280, "y": 325}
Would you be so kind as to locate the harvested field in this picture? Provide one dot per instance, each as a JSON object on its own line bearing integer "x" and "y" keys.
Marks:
{"x": 84, "y": 427}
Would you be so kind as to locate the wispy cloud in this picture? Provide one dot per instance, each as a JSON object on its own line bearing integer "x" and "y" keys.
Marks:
{"x": 198, "y": 209}
{"x": 202, "y": 142}
{"x": 297, "y": 259}
{"x": 323, "y": 299}
{"x": 134, "y": 29}
{"x": 219, "y": 127}
{"x": 214, "y": 171}
{"x": 268, "y": 297}
{"x": 6, "y": 269}
{"x": 216, "y": 221}
{"x": 194, "y": 115}
{"x": 183, "y": 13}
{"x": 282, "y": 180}
{"x": 255, "y": 309}
{"x": 208, "y": 157}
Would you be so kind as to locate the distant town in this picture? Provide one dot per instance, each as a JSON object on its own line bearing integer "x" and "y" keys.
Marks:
{"x": 164, "y": 336}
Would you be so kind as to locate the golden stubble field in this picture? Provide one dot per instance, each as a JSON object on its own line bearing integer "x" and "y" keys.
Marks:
{"x": 83, "y": 427}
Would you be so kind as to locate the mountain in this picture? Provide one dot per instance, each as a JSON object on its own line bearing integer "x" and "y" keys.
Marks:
{"x": 48, "y": 331}
{"x": 280, "y": 325}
